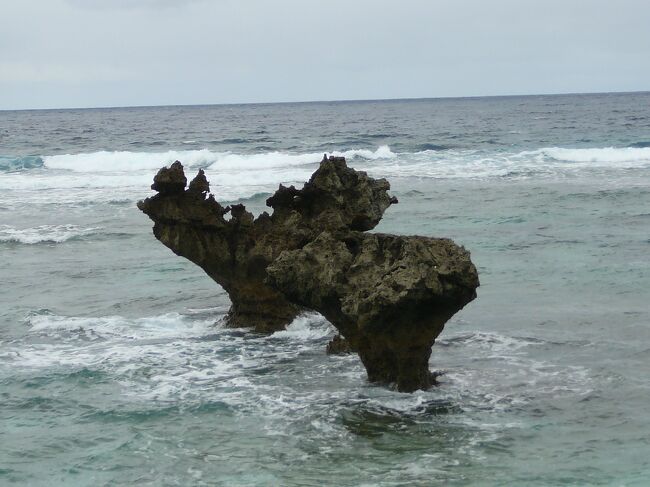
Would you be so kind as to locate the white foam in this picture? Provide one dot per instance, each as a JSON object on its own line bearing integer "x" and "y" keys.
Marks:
{"x": 506, "y": 374}
{"x": 474, "y": 164}
{"x": 433, "y": 163}
{"x": 120, "y": 175}
{"x": 493, "y": 342}
{"x": 177, "y": 359}
{"x": 283, "y": 160}
{"x": 110, "y": 176}
{"x": 383, "y": 152}
{"x": 308, "y": 326}
{"x": 169, "y": 357}
{"x": 598, "y": 156}
{"x": 121, "y": 161}
{"x": 124, "y": 161}
{"x": 162, "y": 358}
{"x": 44, "y": 233}
{"x": 170, "y": 325}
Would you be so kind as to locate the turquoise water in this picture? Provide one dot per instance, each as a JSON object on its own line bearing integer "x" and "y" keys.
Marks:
{"x": 115, "y": 368}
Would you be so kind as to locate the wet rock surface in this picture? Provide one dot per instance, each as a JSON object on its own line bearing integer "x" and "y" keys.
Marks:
{"x": 339, "y": 346}
{"x": 388, "y": 296}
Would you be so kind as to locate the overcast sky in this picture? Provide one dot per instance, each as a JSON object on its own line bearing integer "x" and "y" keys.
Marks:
{"x": 86, "y": 53}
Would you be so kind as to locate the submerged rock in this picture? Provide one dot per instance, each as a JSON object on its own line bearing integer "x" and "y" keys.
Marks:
{"x": 388, "y": 296}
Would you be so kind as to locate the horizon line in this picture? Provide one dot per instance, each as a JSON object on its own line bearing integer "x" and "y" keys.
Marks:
{"x": 351, "y": 100}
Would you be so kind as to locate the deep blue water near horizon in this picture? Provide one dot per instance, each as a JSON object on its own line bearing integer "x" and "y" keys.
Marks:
{"x": 115, "y": 368}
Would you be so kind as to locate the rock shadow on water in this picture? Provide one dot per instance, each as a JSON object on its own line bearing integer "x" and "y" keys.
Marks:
{"x": 372, "y": 420}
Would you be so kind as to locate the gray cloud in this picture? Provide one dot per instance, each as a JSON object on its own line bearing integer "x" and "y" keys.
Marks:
{"x": 57, "y": 53}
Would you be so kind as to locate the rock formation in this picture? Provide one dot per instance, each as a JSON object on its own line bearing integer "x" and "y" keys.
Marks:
{"x": 388, "y": 296}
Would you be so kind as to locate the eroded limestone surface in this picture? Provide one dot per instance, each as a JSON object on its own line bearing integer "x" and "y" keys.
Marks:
{"x": 388, "y": 296}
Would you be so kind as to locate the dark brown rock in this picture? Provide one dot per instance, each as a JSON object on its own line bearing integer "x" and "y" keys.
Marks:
{"x": 227, "y": 250}
{"x": 170, "y": 180}
{"x": 338, "y": 345}
{"x": 199, "y": 185}
{"x": 335, "y": 197}
{"x": 388, "y": 296}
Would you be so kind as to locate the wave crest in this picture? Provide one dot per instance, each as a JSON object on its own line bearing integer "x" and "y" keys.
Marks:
{"x": 125, "y": 161}
{"x": 9, "y": 164}
{"x": 605, "y": 155}
{"x": 43, "y": 234}
{"x": 108, "y": 176}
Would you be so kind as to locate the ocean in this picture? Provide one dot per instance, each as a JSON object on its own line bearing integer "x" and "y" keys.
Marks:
{"x": 115, "y": 368}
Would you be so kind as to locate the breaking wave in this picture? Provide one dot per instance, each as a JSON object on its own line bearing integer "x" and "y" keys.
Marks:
{"x": 543, "y": 162}
{"x": 10, "y": 164}
{"x": 606, "y": 155}
{"x": 435, "y": 161}
{"x": 127, "y": 175}
{"x": 121, "y": 161}
{"x": 44, "y": 233}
